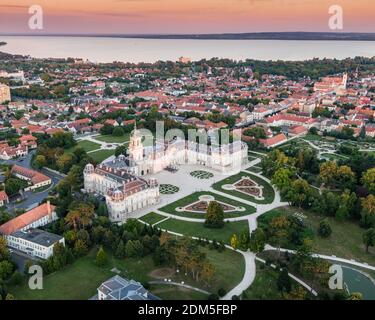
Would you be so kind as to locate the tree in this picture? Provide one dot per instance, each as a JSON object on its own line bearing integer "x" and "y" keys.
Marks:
{"x": 368, "y": 211}
{"x": 299, "y": 194}
{"x": 244, "y": 240}
{"x": 102, "y": 210}
{"x": 40, "y": 161}
{"x": 279, "y": 230}
{"x": 282, "y": 178}
{"x": 214, "y": 215}
{"x": 64, "y": 162}
{"x": 120, "y": 150}
{"x": 328, "y": 172}
{"x": 234, "y": 241}
{"x": 345, "y": 177}
{"x": 118, "y": 132}
{"x": 120, "y": 251}
{"x": 368, "y": 180}
{"x": 4, "y": 252}
{"x": 257, "y": 240}
{"x": 12, "y": 186}
{"x": 283, "y": 281}
{"x": 324, "y": 229}
{"x": 356, "y": 296}
{"x": 133, "y": 249}
{"x": 80, "y": 248}
{"x": 369, "y": 239}
{"x": 101, "y": 257}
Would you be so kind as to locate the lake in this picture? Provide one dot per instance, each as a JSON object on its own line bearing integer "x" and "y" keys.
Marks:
{"x": 102, "y": 49}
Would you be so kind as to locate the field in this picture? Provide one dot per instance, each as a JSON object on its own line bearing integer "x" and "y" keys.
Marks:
{"x": 170, "y": 208}
{"x": 113, "y": 139}
{"x": 79, "y": 281}
{"x": 195, "y": 229}
{"x": 86, "y": 145}
{"x": 101, "y": 155}
{"x": 268, "y": 192}
{"x": 344, "y": 242}
{"x": 152, "y": 218}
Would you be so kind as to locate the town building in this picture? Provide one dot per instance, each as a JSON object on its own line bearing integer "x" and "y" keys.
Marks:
{"x": 118, "y": 288}
{"x": 4, "y": 93}
{"x": 124, "y": 192}
{"x": 35, "y": 179}
{"x": 143, "y": 160}
{"x": 21, "y": 233}
{"x": 3, "y": 198}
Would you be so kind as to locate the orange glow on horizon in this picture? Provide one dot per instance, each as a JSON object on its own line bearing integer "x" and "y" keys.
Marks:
{"x": 194, "y": 16}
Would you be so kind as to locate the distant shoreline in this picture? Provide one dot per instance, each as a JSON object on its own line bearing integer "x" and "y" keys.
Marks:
{"x": 302, "y": 36}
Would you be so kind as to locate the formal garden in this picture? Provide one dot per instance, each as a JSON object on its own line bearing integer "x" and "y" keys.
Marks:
{"x": 199, "y": 174}
{"x": 168, "y": 189}
{"x": 195, "y": 206}
{"x": 263, "y": 194}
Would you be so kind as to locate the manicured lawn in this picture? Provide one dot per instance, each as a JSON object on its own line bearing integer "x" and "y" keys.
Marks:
{"x": 268, "y": 192}
{"x": 264, "y": 286}
{"x": 255, "y": 169}
{"x": 344, "y": 242}
{"x": 171, "y": 208}
{"x": 152, "y": 218}
{"x": 113, "y": 139}
{"x": 101, "y": 155}
{"x": 170, "y": 292}
{"x": 196, "y": 229}
{"x": 86, "y": 145}
{"x": 79, "y": 281}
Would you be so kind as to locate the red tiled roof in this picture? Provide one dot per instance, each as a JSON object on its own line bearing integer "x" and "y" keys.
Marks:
{"x": 26, "y": 219}
{"x": 3, "y": 196}
{"x": 274, "y": 140}
{"x": 34, "y": 176}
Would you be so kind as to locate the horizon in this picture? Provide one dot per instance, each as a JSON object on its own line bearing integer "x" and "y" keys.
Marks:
{"x": 193, "y": 17}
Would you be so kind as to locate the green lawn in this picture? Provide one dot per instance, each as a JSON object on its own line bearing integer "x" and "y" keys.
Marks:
{"x": 196, "y": 229}
{"x": 268, "y": 192}
{"x": 264, "y": 286}
{"x": 113, "y": 139}
{"x": 171, "y": 208}
{"x": 86, "y": 145}
{"x": 79, "y": 281}
{"x": 255, "y": 169}
{"x": 101, "y": 155}
{"x": 170, "y": 292}
{"x": 152, "y": 218}
{"x": 344, "y": 242}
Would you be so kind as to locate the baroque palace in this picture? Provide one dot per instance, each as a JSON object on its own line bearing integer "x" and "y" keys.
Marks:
{"x": 122, "y": 180}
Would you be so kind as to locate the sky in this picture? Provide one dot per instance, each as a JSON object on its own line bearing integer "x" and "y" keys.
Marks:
{"x": 182, "y": 16}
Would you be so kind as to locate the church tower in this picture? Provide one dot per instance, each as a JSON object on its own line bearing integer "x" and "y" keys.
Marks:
{"x": 136, "y": 145}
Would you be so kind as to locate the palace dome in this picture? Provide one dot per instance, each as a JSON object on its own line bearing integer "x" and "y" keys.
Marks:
{"x": 89, "y": 168}
{"x": 117, "y": 195}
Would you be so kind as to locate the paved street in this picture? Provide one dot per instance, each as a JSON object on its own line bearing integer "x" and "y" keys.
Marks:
{"x": 32, "y": 199}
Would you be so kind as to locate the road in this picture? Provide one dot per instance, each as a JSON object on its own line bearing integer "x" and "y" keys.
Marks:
{"x": 32, "y": 198}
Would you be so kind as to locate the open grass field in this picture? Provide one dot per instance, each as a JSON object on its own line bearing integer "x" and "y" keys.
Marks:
{"x": 196, "y": 229}
{"x": 152, "y": 218}
{"x": 264, "y": 286}
{"x": 113, "y": 139}
{"x": 101, "y": 155}
{"x": 344, "y": 242}
{"x": 268, "y": 192}
{"x": 171, "y": 208}
{"x": 79, "y": 281}
{"x": 86, "y": 145}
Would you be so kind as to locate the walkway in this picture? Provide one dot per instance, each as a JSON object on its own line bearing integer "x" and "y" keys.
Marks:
{"x": 325, "y": 257}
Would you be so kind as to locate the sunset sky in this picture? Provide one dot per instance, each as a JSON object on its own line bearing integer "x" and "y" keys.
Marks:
{"x": 180, "y": 16}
